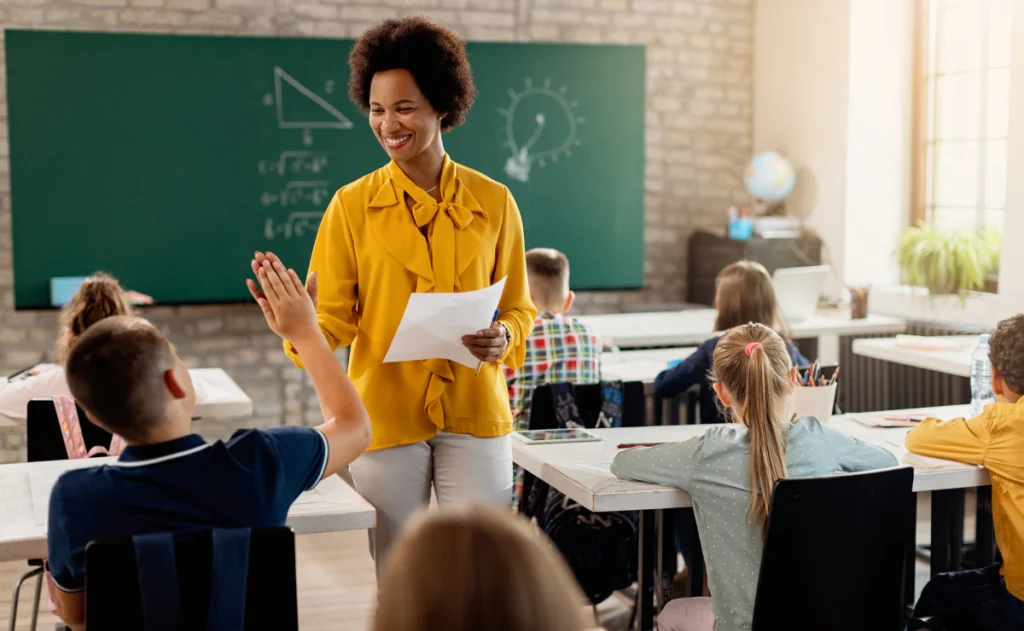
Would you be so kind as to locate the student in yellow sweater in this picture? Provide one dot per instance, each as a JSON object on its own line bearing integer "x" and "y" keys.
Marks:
{"x": 990, "y": 598}
{"x": 422, "y": 223}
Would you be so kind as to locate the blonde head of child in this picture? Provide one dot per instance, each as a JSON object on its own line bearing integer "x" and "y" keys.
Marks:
{"x": 744, "y": 293}
{"x": 1006, "y": 352}
{"x": 99, "y": 297}
{"x": 548, "y": 274}
{"x": 476, "y": 568}
{"x": 754, "y": 377}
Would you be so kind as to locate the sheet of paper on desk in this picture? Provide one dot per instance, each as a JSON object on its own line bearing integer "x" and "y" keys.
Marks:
{"x": 433, "y": 325}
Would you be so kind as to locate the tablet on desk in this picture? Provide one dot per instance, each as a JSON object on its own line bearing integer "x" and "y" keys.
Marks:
{"x": 550, "y": 436}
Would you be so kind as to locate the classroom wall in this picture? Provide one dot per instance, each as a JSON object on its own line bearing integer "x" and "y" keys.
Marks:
{"x": 832, "y": 91}
{"x": 699, "y": 89}
{"x": 801, "y": 82}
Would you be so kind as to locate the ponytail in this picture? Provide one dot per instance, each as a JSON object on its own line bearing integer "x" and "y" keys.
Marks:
{"x": 99, "y": 297}
{"x": 752, "y": 363}
{"x": 763, "y": 416}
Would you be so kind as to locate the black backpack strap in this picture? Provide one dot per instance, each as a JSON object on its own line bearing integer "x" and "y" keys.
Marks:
{"x": 158, "y": 582}
{"x": 228, "y": 579}
{"x": 612, "y": 397}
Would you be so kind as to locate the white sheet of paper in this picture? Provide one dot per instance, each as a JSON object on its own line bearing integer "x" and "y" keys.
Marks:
{"x": 433, "y": 325}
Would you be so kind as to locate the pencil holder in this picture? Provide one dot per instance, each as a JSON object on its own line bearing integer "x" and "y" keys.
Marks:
{"x": 815, "y": 401}
{"x": 859, "y": 302}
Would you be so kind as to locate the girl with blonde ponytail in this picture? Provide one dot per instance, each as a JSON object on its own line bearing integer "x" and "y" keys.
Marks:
{"x": 730, "y": 472}
{"x": 100, "y": 296}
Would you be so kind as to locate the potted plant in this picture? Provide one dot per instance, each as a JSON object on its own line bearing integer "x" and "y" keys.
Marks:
{"x": 948, "y": 261}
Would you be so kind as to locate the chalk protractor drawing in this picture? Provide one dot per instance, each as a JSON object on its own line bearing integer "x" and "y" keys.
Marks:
{"x": 298, "y": 107}
{"x": 541, "y": 126}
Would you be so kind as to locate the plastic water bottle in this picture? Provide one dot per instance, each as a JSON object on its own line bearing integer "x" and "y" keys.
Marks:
{"x": 981, "y": 377}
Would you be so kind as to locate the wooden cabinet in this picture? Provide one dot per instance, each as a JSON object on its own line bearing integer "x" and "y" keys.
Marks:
{"x": 709, "y": 253}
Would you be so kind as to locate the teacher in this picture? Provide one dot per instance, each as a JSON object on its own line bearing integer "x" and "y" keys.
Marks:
{"x": 421, "y": 224}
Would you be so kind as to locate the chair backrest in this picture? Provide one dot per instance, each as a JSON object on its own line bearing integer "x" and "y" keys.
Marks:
{"x": 588, "y": 401}
{"x": 113, "y": 599}
{"x": 43, "y": 432}
{"x": 835, "y": 551}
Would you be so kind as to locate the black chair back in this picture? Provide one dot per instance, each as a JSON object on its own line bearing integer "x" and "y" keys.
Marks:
{"x": 113, "y": 600}
{"x": 835, "y": 552}
{"x": 588, "y": 400}
{"x": 43, "y": 429}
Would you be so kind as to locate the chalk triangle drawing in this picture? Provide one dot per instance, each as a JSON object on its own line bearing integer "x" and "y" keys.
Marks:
{"x": 307, "y": 110}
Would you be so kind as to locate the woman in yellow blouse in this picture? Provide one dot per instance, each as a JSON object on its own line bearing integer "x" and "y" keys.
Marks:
{"x": 421, "y": 224}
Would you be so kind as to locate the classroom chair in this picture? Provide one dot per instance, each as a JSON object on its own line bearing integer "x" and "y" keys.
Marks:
{"x": 44, "y": 443}
{"x": 43, "y": 432}
{"x": 588, "y": 400}
{"x": 834, "y": 553}
{"x": 219, "y": 580}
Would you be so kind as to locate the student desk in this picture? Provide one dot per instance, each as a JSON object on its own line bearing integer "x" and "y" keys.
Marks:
{"x": 25, "y": 498}
{"x": 217, "y": 397}
{"x": 643, "y": 365}
{"x": 693, "y": 326}
{"x": 581, "y": 471}
{"x": 952, "y": 361}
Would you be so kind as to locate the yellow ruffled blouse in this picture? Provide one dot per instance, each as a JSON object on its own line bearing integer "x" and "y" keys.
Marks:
{"x": 371, "y": 254}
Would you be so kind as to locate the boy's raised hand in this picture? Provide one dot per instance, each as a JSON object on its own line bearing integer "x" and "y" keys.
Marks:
{"x": 286, "y": 304}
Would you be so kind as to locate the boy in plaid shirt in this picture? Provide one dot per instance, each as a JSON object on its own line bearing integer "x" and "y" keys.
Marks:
{"x": 560, "y": 349}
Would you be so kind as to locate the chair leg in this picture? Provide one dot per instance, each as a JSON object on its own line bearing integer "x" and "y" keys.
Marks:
{"x": 17, "y": 592}
{"x": 35, "y": 602}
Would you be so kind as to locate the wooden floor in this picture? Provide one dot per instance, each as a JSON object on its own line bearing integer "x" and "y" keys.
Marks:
{"x": 337, "y": 585}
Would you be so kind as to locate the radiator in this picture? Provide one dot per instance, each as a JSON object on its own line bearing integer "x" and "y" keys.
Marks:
{"x": 868, "y": 385}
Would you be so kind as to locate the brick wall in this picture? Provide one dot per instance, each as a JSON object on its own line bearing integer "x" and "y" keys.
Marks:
{"x": 698, "y": 139}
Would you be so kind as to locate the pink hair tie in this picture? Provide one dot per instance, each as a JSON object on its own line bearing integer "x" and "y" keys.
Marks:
{"x": 750, "y": 347}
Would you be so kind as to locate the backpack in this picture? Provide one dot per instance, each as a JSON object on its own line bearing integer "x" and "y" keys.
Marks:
{"x": 600, "y": 548}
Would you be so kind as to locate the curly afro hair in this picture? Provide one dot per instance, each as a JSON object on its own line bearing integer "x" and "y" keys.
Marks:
{"x": 434, "y": 55}
{"x": 1006, "y": 351}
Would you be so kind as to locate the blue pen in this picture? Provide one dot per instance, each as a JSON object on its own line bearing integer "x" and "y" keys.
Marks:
{"x": 494, "y": 321}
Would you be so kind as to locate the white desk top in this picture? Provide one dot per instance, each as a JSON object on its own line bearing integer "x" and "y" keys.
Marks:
{"x": 25, "y": 497}
{"x": 952, "y": 361}
{"x": 688, "y": 327}
{"x": 217, "y": 395}
{"x": 640, "y": 365}
{"x": 580, "y": 470}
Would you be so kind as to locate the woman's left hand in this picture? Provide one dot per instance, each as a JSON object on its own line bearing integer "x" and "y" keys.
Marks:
{"x": 488, "y": 344}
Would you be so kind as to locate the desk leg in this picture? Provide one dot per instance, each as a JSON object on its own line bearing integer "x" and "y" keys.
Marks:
{"x": 910, "y": 563}
{"x": 645, "y": 570}
{"x": 666, "y": 556}
{"x": 696, "y": 559}
{"x": 985, "y": 534}
{"x": 947, "y": 530}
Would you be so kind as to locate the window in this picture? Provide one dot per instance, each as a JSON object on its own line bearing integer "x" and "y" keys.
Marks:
{"x": 962, "y": 107}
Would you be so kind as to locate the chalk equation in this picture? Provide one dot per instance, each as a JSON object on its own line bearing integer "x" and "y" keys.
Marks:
{"x": 297, "y": 225}
{"x": 298, "y": 194}
{"x": 295, "y": 163}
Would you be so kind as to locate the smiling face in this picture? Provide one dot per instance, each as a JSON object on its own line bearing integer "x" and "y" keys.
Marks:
{"x": 403, "y": 120}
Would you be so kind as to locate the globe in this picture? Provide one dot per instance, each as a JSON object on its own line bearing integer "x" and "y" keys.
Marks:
{"x": 769, "y": 177}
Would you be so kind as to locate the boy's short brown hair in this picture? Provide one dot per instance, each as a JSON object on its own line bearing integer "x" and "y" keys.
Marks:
{"x": 548, "y": 271}
{"x": 115, "y": 371}
{"x": 1006, "y": 352}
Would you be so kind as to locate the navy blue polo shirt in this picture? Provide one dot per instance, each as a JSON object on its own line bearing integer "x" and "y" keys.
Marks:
{"x": 181, "y": 485}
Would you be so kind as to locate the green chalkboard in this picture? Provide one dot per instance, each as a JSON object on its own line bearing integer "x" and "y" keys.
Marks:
{"x": 167, "y": 160}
